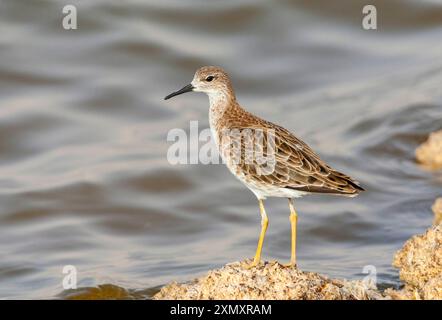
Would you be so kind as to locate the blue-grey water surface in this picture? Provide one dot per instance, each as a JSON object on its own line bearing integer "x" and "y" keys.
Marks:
{"x": 84, "y": 176}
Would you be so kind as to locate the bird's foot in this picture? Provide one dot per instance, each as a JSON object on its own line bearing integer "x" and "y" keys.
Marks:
{"x": 252, "y": 264}
{"x": 291, "y": 264}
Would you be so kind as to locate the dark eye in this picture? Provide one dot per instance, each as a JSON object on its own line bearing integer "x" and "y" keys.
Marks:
{"x": 209, "y": 78}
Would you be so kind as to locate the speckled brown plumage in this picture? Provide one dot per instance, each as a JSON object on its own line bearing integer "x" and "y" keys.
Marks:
{"x": 267, "y": 158}
{"x": 297, "y": 165}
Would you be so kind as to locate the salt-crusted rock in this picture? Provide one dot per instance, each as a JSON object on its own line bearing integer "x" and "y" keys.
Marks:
{"x": 420, "y": 259}
{"x": 420, "y": 265}
{"x": 269, "y": 280}
{"x": 432, "y": 290}
{"x": 430, "y": 152}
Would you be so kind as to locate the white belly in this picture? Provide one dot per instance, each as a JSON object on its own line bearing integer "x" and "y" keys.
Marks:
{"x": 261, "y": 190}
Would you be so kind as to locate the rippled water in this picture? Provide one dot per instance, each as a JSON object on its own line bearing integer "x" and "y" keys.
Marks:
{"x": 84, "y": 178}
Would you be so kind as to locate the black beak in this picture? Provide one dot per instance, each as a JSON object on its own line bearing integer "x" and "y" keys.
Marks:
{"x": 187, "y": 88}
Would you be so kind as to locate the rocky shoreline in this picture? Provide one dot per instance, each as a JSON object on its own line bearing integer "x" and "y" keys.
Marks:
{"x": 419, "y": 263}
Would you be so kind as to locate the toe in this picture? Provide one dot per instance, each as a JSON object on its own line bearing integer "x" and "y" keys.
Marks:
{"x": 290, "y": 265}
{"x": 251, "y": 265}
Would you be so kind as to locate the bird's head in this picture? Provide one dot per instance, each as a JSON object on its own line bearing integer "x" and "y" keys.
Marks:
{"x": 213, "y": 81}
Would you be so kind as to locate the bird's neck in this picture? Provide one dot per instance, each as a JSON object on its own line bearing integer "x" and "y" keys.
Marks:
{"x": 220, "y": 102}
{"x": 221, "y": 98}
{"x": 221, "y": 107}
